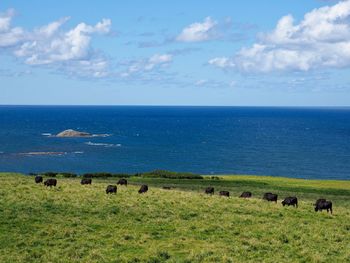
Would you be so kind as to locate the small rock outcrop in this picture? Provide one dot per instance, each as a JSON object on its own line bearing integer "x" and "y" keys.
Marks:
{"x": 73, "y": 133}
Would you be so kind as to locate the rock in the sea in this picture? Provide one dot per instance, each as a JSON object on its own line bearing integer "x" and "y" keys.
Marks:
{"x": 73, "y": 133}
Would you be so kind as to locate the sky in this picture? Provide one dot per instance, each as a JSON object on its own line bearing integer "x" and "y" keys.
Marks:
{"x": 215, "y": 53}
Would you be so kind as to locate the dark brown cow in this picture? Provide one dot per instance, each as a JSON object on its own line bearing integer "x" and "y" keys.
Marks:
{"x": 123, "y": 182}
{"x": 50, "y": 182}
{"x": 291, "y": 200}
{"x": 270, "y": 197}
{"x": 111, "y": 189}
{"x": 224, "y": 193}
{"x": 209, "y": 190}
{"x": 323, "y": 204}
{"x": 246, "y": 195}
{"x": 38, "y": 179}
{"x": 86, "y": 181}
{"x": 143, "y": 189}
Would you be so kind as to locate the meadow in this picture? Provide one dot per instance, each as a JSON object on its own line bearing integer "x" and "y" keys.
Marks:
{"x": 80, "y": 223}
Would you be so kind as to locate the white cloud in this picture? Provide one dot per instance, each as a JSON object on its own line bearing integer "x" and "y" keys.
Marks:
{"x": 69, "y": 51}
{"x": 201, "y": 82}
{"x": 158, "y": 59}
{"x": 9, "y": 36}
{"x": 221, "y": 62}
{"x": 320, "y": 40}
{"x": 48, "y": 45}
{"x": 5, "y": 20}
{"x": 144, "y": 65}
{"x": 52, "y": 28}
{"x": 96, "y": 67}
{"x": 199, "y": 31}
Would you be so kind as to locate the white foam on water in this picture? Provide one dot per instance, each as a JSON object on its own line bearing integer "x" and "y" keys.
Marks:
{"x": 103, "y": 144}
{"x": 42, "y": 153}
{"x": 101, "y": 135}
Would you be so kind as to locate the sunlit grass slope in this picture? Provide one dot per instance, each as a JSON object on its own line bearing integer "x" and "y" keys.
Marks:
{"x": 75, "y": 223}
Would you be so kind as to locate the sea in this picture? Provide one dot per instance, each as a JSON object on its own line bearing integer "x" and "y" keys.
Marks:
{"x": 312, "y": 143}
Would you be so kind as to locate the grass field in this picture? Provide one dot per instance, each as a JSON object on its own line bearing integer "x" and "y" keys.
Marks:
{"x": 75, "y": 223}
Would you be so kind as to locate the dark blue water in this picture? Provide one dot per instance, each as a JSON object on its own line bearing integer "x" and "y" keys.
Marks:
{"x": 294, "y": 142}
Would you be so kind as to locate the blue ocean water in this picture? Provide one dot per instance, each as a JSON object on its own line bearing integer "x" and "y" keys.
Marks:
{"x": 292, "y": 142}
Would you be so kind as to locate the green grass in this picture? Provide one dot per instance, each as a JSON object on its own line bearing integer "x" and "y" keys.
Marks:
{"x": 75, "y": 223}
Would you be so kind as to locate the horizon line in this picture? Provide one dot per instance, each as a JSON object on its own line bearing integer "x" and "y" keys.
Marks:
{"x": 175, "y": 105}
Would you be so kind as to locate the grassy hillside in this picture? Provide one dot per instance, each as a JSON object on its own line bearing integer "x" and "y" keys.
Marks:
{"x": 75, "y": 223}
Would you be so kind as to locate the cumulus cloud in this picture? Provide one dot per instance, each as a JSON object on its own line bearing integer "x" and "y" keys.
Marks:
{"x": 144, "y": 65}
{"x": 9, "y": 36}
{"x": 197, "y": 32}
{"x": 66, "y": 50}
{"x": 320, "y": 40}
{"x": 48, "y": 45}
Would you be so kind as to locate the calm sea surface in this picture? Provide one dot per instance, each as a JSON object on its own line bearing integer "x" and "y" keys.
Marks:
{"x": 293, "y": 142}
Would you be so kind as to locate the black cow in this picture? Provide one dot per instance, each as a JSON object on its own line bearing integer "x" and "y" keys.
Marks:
{"x": 166, "y": 187}
{"x": 321, "y": 200}
{"x": 322, "y": 204}
{"x": 123, "y": 182}
{"x": 143, "y": 189}
{"x": 86, "y": 181}
{"x": 291, "y": 200}
{"x": 209, "y": 190}
{"x": 224, "y": 193}
{"x": 50, "y": 182}
{"x": 38, "y": 179}
{"x": 111, "y": 189}
{"x": 270, "y": 197}
{"x": 246, "y": 195}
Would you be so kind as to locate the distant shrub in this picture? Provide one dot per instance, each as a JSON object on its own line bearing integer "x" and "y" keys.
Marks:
{"x": 97, "y": 175}
{"x": 68, "y": 175}
{"x": 54, "y": 174}
{"x": 171, "y": 175}
{"x": 106, "y": 175}
{"x": 49, "y": 174}
{"x": 32, "y": 174}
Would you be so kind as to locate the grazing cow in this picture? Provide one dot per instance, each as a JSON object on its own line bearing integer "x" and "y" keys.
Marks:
{"x": 246, "y": 195}
{"x": 270, "y": 197}
{"x": 322, "y": 204}
{"x": 166, "y": 187}
{"x": 38, "y": 179}
{"x": 86, "y": 181}
{"x": 123, "y": 182}
{"x": 111, "y": 189}
{"x": 50, "y": 182}
{"x": 291, "y": 200}
{"x": 224, "y": 193}
{"x": 321, "y": 200}
{"x": 143, "y": 189}
{"x": 209, "y": 190}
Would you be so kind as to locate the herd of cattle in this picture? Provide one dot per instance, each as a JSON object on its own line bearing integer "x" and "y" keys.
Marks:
{"x": 321, "y": 204}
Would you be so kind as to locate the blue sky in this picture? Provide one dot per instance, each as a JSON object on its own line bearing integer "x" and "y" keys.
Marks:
{"x": 252, "y": 52}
